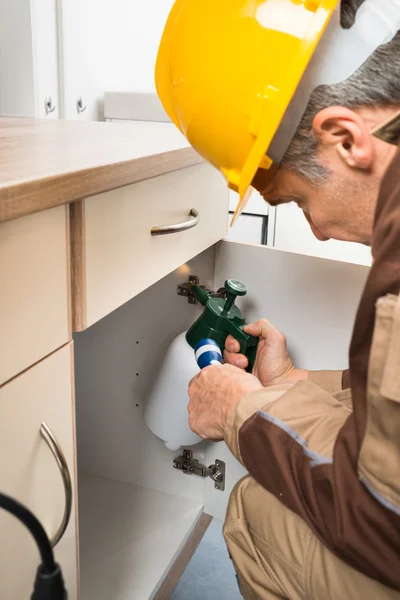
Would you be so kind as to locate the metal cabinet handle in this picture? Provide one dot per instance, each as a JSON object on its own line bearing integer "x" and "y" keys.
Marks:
{"x": 164, "y": 229}
{"x": 49, "y": 107}
{"x": 80, "y": 107}
{"x": 47, "y": 435}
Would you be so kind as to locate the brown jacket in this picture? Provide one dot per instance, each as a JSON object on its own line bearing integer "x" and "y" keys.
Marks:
{"x": 350, "y": 500}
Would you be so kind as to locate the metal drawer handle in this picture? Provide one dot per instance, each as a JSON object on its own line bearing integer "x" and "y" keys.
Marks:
{"x": 164, "y": 229}
{"x": 47, "y": 435}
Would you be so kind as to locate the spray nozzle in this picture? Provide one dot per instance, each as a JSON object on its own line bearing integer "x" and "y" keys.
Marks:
{"x": 201, "y": 294}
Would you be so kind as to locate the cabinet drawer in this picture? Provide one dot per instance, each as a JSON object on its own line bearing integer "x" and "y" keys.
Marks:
{"x": 34, "y": 317}
{"x": 114, "y": 255}
{"x": 29, "y": 473}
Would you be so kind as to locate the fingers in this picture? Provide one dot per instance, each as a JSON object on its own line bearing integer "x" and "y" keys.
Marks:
{"x": 231, "y": 354}
{"x": 263, "y": 329}
{"x": 237, "y": 360}
{"x": 232, "y": 345}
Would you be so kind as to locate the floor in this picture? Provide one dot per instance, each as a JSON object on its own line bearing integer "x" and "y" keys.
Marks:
{"x": 210, "y": 574}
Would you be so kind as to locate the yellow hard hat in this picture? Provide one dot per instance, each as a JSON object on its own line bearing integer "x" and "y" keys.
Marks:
{"x": 227, "y": 72}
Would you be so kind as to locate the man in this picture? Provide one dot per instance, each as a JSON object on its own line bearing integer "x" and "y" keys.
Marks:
{"x": 318, "y": 516}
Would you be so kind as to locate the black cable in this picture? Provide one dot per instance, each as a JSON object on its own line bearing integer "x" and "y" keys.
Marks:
{"x": 49, "y": 583}
{"x": 35, "y": 527}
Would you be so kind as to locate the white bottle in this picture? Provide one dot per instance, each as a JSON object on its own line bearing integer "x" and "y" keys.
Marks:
{"x": 166, "y": 413}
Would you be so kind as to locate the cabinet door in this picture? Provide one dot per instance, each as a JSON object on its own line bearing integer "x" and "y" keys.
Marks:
{"x": 34, "y": 298}
{"x": 45, "y": 58}
{"x": 29, "y": 58}
{"x": 311, "y": 300}
{"x": 293, "y": 233}
{"x": 108, "y": 46}
{"x": 29, "y": 472}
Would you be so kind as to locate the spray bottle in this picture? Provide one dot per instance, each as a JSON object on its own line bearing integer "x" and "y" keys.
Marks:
{"x": 166, "y": 412}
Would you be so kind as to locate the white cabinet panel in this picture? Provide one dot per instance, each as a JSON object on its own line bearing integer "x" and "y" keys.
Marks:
{"x": 45, "y": 57}
{"x": 250, "y": 229}
{"x": 28, "y": 58}
{"x": 108, "y": 46}
{"x": 313, "y": 301}
{"x": 293, "y": 233}
{"x": 255, "y": 206}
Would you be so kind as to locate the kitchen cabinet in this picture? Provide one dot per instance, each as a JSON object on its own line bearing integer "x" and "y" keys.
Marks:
{"x": 29, "y": 75}
{"x": 134, "y": 510}
{"x": 107, "y": 47}
{"x": 34, "y": 299}
{"x": 118, "y": 357}
{"x": 124, "y": 246}
{"x": 41, "y": 396}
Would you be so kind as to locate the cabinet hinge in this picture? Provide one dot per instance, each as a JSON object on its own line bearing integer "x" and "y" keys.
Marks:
{"x": 185, "y": 289}
{"x": 192, "y": 466}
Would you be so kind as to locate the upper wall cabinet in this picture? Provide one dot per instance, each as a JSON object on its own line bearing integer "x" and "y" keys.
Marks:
{"x": 107, "y": 46}
{"x": 29, "y": 82}
{"x": 58, "y": 57}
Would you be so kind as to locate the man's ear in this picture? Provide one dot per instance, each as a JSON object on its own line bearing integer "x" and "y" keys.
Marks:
{"x": 348, "y": 133}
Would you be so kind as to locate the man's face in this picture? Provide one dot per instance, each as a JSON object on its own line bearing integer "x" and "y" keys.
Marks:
{"x": 342, "y": 208}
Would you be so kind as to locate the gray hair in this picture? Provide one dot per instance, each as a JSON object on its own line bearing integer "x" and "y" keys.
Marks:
{"x": 376, "y": 83}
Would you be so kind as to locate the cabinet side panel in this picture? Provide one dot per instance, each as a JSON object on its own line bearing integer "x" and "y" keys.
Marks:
{"x": 116, "y": 361}
{"x": 313, "y": 301}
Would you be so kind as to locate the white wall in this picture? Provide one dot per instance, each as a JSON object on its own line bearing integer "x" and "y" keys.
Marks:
{"x": 109, "y": 46}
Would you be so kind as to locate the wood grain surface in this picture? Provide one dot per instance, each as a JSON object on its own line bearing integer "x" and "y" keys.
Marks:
{"x": 78, "y": 265}
{"x": 47, "y": 163}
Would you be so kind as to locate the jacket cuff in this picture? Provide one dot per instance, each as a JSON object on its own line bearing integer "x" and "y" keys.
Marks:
{"x": 330, "y": 381}
{"x": 247, "y": 407}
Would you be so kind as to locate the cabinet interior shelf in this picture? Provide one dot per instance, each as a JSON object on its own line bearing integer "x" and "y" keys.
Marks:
{"x": 129, "y": 537}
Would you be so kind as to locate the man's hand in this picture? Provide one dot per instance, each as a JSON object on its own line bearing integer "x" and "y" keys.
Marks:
{"x": 273, "y": 364}
{"x": 214, "y": 393}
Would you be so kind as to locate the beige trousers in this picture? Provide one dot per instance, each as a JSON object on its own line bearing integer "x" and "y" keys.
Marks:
{"x": 275, "y": 553}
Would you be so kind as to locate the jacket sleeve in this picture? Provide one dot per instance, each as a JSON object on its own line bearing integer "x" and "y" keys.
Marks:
{"x": 309, "y": 415}
{"x": 330, "y": 381}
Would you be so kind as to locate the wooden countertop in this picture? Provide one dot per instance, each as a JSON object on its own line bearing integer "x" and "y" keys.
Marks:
{"x": 47, "y": 163}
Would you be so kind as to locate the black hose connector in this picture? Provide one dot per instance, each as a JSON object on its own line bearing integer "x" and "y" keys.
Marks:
{"x": 49, "y": 586}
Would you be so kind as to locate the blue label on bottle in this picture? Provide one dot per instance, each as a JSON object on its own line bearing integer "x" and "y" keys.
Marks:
{"x": 207, "y": 352}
